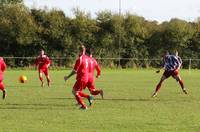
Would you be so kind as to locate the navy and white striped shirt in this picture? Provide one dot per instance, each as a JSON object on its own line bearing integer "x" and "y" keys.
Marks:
{"x": 172, "y": 62}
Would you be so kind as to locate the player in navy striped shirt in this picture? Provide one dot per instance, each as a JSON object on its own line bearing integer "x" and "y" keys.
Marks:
{"x": 172, "y": 64}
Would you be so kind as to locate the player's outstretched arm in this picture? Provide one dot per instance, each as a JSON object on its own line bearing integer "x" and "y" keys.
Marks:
{"x": 158, "y": 71}
{"x": 162, "y": 66}
{"x": 71, "y": 74}
{"x": 98, "y": 69}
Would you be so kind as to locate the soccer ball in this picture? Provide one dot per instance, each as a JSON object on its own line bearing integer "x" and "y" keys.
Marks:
{"x": 22, "y": 79}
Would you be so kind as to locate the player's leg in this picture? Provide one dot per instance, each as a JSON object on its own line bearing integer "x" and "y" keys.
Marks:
{"x": 46, "y": 72}
{"x": 84, "y": 95}
{"x": 78, "y": 86}
{"x": 41, "y": 77}
{"x": 93, "y": 90}
{"x": 2, "y": 88}
{"x": 159, "y": 85}
{"x": 89, "y": 97}
{"x": 178, "y": 79}
{"x": 80, "y": 100}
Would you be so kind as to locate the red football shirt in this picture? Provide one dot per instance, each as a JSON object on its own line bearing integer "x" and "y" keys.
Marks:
{"x": 42, "y": 62}
{"x": 81, "y": 68}
{"x": 92, "y": 66}
{"x": 2, "y": 68}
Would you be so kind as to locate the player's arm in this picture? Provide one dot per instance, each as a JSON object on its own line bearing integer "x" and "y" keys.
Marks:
{"x": 71, "y": 74}
{"x": 179, "y": 63}
{"x": 74, "y": 71}
{"x": 48, "y": 62}
{"x": 3, "y": 66}
{"x": 98, "y": 69}
{"x": 162, "y": 66}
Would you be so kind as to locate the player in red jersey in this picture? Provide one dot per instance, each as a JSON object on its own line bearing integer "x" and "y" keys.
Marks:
{"x": 43, "y": 62}
{"x": 81, "y": 71}
{"x": 2, "y": 69}
{"x": 93, "y": 65}
{"x": 172, "y": 64}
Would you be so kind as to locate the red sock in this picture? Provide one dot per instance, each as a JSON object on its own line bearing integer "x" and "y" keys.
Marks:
{"x": 95, "y": 92}
{"x": 158, "y": 87}
{"x": 79, "y": 100}
{"x": 181, "y": 83}
{"x": 84, "y": 95}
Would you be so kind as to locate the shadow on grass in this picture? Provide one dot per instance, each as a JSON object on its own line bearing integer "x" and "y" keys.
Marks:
{"x": 132, "y": 99}
{"x": 34, "y": 106}
{"x": 107, "y": 99}
{"x": 16, "y": 86}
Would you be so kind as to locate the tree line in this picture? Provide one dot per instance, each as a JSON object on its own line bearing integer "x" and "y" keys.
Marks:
{"x": 24, "y": 31}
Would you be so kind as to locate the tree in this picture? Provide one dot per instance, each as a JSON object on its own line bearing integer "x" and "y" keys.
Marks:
{"x": 83, "y": 29}
{"x": 17, "y": 29}
{"x": 4, "y": 2}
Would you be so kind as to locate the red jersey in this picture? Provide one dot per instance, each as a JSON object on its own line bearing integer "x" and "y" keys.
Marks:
{"x": 42, "y": 62}
{"x": 81, "y": 68}
{"x": 92, "y": 66}
{"x": 2, "y": 68}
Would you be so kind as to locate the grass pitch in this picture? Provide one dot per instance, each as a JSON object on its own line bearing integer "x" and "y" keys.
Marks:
{"x": 127, "y": 106}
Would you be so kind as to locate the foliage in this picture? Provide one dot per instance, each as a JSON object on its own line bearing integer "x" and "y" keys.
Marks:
{"x": 24, "y": 31}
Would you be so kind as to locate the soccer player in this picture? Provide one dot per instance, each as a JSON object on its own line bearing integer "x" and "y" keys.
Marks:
{"x": 93, "y": 65}
{"x": 43, "y": 62}
{"x": 2, "y": 69}
{"x": 81, "y": 71}
{"x": 172, "y": 64}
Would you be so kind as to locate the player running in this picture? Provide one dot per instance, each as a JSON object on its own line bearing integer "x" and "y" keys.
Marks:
{"x": 2, "y": 69}
{"x": 93, "y": 65}
{"x": 81, "y": 71}
{"x": 43, "y": 62}
{"x": 172, "y": 64}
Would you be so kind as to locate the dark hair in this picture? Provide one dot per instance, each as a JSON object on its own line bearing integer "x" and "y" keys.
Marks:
{"x": 88, "y": 51}
{"x": 166, "y": 52}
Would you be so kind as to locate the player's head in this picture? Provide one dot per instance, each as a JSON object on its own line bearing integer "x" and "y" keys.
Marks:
{"x": 81, "y": 48}
{"x": 91, "y": 52}
{"x": 166, "y": 53}
{"x": 88, "y": 51}
{"x": 41, "y": 52}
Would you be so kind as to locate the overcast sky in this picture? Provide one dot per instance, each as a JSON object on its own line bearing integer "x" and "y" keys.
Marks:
{"x": 160, "y": 10}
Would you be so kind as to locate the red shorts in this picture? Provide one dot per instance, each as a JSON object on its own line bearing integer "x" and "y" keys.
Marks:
{"x": 45, "y": 71}
{"x": 79, "y": 85}
{"x": 90, "y": 85}
{"x": 171, "y": 73}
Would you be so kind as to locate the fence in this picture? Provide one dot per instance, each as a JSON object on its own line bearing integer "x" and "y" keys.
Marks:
{"x": 58, "y": 62}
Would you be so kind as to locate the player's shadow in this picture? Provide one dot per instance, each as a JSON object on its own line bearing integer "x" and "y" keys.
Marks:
{"x": 107, "y": 99}
{"x": 123, "y": 99}
{"x": 131, "y": 99}
{"x": 34, "y": 106}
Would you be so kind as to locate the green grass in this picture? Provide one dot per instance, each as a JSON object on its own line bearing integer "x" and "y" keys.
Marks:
{"x": 127, "y": 105}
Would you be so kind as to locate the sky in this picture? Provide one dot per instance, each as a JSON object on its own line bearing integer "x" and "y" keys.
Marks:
{"x": 159, "y": 10}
